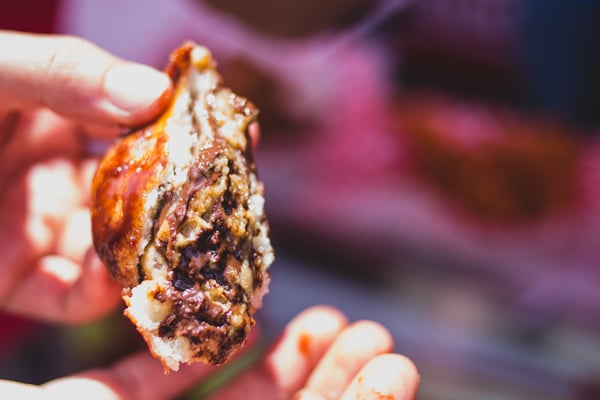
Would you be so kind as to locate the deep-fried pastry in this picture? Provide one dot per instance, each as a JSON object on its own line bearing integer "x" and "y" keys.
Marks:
{"x": 178, "y": 218}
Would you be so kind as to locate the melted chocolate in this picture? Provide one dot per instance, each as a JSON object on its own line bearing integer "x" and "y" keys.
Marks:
{"x": 212, "y": 262}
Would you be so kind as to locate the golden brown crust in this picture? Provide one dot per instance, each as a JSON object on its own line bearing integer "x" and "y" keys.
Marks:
{"x": 118, "y": 187}
{"x": 121, "y": 181}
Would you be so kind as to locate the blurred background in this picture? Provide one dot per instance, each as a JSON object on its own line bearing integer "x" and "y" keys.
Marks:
{"x": 433, "y": 165}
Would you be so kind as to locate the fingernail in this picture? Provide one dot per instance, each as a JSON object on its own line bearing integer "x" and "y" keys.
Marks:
{"x": 134, "y": 87}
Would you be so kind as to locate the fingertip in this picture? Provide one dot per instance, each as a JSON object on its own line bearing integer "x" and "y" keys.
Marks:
{"x": 304, "y": 341}
{"x": 352, "y": 349}
{"x": 314, "y": 329}
{"x": 319, "y": 315}
{"x": 398, "y": 365}
{"x": 389, "y": 376}
{"x": 136, "y": 93}
{"x": 307, "y": 394}
{"x": 365, "y": 337}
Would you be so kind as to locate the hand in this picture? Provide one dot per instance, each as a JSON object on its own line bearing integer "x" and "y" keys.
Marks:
{"x": 321, "y": 356}
{"x": 57, "y": 95}
{"x": 318, "y": 356}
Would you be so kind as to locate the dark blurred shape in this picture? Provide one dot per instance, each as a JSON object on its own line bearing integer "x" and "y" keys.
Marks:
{"x": 37, "y": 352}
{"x": 15, "y": 331}
{"x": 587, "y": 388}
{"x": 294, "y": 18}
{"x": 496, "y": 164}
{"x": 464, "y": 47}
{"x": 560, "y": 48}
{"x": 539, "y": 54}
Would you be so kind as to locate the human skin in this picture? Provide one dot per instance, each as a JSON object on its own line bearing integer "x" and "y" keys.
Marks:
{"x": 59, "y": 97}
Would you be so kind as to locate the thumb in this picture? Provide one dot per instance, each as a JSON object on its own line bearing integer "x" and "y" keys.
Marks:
{"x": 77, "y": 79}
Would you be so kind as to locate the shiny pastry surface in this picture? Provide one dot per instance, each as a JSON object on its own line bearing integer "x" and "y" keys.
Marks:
{"x": 178, "y": 218}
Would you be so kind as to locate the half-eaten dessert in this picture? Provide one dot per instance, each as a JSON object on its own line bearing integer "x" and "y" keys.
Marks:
{"x": 178, "y": 218}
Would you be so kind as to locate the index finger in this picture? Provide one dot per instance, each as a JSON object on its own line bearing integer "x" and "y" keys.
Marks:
{"x": 77, "y": 79}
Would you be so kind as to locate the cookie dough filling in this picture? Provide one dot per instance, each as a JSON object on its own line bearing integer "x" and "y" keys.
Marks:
{"x": 194, "y": 258}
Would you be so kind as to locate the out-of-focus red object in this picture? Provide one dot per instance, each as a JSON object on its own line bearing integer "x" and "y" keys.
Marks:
{"x": 37, "y": 17}
{"x": 14, "y": 331}
{"x": 494, "y": 164}
{"x": 29, "y": 15}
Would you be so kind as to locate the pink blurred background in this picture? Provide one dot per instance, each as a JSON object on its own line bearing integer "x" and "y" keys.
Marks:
{"x": 433, "y": 165}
